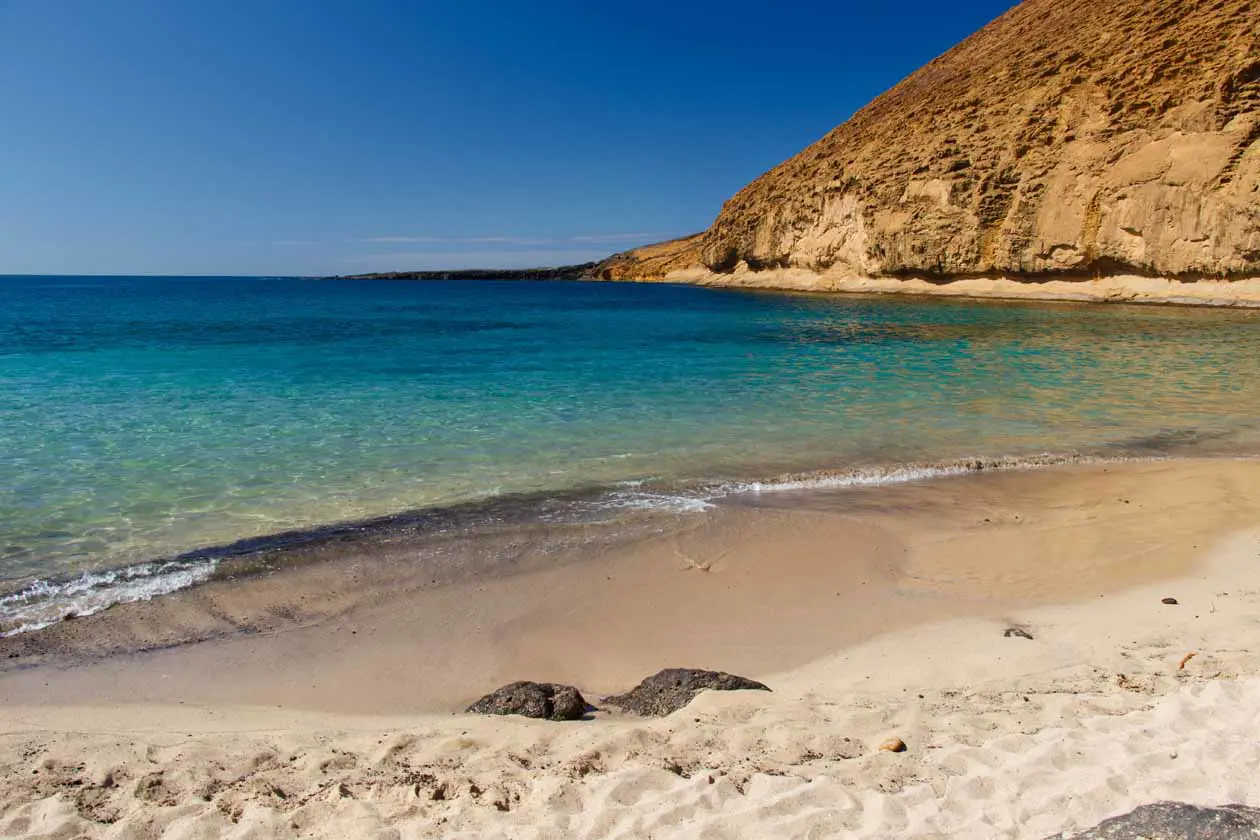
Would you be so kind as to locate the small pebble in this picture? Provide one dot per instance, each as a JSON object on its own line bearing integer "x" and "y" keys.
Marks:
{"x": 893, "y": 745}
{"x": 1169, "y": 601}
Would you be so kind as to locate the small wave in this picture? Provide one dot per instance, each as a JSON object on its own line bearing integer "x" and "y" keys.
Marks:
{"x": 42, "y": 603}
{"x": 905, "y": 473}
{"x": 661, "y": 502}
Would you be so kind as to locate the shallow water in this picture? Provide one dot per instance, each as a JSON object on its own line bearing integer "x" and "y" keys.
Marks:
{"x": 145, "y": 417}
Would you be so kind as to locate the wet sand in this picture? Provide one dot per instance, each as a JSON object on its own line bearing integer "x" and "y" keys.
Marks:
{"x": 758, "y": 585}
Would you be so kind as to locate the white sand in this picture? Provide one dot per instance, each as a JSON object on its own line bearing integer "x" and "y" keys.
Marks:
{"x": 1007, "y": 738}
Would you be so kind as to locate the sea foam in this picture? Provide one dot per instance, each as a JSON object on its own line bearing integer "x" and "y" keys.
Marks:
{"x": 42, "y": 603}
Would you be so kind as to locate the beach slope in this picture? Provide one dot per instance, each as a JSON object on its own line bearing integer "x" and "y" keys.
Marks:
{"x": 1022, "y": 651}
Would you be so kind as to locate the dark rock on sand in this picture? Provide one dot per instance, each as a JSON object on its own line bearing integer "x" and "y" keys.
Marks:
{"x": 1017, "y": 632}
{"x": 1172, "y": 602}
{"x": 547, "y": 701}
{"x": 1175, "y": 821}
{"x": 673, "y": 688}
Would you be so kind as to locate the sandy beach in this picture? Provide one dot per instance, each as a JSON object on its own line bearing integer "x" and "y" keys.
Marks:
{"x": 871, "y": 613}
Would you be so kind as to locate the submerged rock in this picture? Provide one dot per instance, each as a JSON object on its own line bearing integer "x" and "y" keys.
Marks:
{"x": 669, "y": 690}
{"x": 547, "y": 701}
{"x": 1175, "y": 821}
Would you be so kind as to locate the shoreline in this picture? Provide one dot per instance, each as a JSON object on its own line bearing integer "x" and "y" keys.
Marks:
{"x": 723, "y": 587}
{"x": 623, "y": 511}
{"x": 1012, "y": 737}
{"x": 1241, "y": 293}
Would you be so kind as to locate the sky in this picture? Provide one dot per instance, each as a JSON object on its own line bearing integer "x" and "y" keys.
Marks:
{"x": 317, "y": 137}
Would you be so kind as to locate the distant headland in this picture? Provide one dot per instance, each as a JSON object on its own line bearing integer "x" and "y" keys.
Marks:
{"x": 559, "y": 272}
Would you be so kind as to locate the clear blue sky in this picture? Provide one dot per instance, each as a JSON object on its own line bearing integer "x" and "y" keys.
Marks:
{"x": 317, "y": 137}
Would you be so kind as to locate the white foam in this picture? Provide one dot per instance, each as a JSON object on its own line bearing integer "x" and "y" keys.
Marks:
{"x": 663, "y": 502}
{"x": 905, "y": 473}
{"x": 632, "y": 498}
{"x": 43, "y": 603}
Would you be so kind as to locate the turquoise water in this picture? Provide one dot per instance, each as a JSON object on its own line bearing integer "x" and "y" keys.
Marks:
{"x": 145, "y": 417}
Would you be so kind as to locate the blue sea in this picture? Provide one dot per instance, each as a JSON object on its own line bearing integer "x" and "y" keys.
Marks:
{"x": 148, "y": 424}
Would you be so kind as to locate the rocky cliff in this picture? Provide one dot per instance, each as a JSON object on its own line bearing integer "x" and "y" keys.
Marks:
{"x": 1068, "y": 139}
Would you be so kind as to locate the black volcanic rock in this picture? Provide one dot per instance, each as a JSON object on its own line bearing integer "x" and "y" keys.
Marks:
{"x": 1175, "y": 821}
{"x": 546, "y": 701}
{"x": 673, "y": 688}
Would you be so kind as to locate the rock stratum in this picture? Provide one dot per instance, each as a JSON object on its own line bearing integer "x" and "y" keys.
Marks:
{"x": 1069, "y": 140}
{"x": 652, "y": 262}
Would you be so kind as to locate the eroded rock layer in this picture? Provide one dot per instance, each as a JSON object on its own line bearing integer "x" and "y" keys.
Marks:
{"x": 651, "y": 262}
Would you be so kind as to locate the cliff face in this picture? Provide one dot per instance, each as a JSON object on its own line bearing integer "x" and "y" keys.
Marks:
{"x": 1068, "y": 137}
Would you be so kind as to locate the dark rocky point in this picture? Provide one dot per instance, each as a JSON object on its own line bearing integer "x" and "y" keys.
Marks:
{"x": 673, "y": 688}
{"x": 1017, "y": 632}
{"x": 546, "y": 701}
{"x": 1175, "y": 821}
{"x": 1169, "y": 601}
